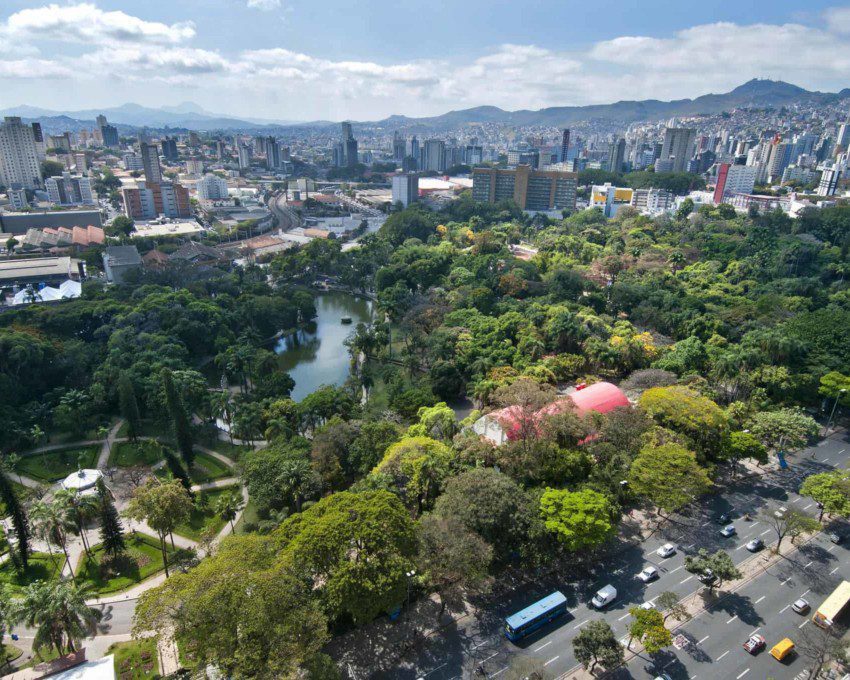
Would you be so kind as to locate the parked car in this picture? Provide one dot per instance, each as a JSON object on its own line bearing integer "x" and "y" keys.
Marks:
{"x": 801, "y": 606}
{"x": 604, "y": 597}
{"x": 782, "y": 649}
{"x": 647, "y": 606}
{"x": 663, "y": 676}
{"x": 755, "y": 545}
{"x": 707, "y": 577}
{"x": 779, "y": 514}
{"x": 755, "y": 644}
{"x": 648, "y": 574}
{"x": 728, "y": 531}
{"x": 835, "y": 537}
{"x": 723, "y": 518}
{"x": 667, "y": 550}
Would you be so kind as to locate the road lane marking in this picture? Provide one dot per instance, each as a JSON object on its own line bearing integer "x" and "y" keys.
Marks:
{"x": 543, "y": 645}
{"x": 581, "y": 624}
{"x": 681, "y": 566}
{"x": 552, "y": 660}
{"x": 825, "y": 460}
{"x": 784, "y": 608}
{"x": 705, "y": 524}
{"x": 480, "y": 643}
{"x": 830, "y": 549}
{"x": 803, "y": 624}
{"x": 766, "y": 531}
{"x": 754, "y": 523}
{"x": 742, "y": 674}
{"x": 704, "y": 639}
{"x": 722, "y": 655}
{"x": 438, "y": 668}
{"x": 796, "y": 500}
{"x": 806, "y": 593}
{"x": 686, "y": 580}
{"x": 785, "y": 581}
{"x": 487, "y": 659}
{"x": 761, "y": 598}
{"x": 621, "y": 618}
{"x": 833, "y": 571}
{"x": 811, "y": 562}
{"x": 755, "y": 631}
{"x": 688, "y": 547}
{"x": 732, "y": 619}
{"x": 808, "y": 506}
{"x": 499, "y": 672}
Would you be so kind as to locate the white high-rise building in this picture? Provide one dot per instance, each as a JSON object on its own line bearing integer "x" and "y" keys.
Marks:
{"x": 68, "y": 190}
{"x": 18, "y": 198}
{"x": 18, "y": 154}
{"x": 677, "y": 148}
{"x": 212, "y": 188}
{"x": 132, "y": 162}
{"x": 828, "y": 182}
{"x": 405, "y": 189}
{"x": 195, "y": 166}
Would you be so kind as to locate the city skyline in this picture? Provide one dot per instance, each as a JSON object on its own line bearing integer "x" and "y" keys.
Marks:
{"x": 277, "y": 61}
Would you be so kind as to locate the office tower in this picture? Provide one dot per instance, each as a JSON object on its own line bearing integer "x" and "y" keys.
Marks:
{"x": 38, "y": 136}
{"x": 219, "y": 149}
{"x": 169, "y": 148}
{"x": 244, "y": 156}
{"x": 272, "y": 153}
{"x": 565, "y": 145}
{"x": 828, "y": 182}
{"x": 676, "y": 149}
{"x": 474, "y": 154}
{"x": 339, "y": 155}
{"x": 19, "y": 163}
{"x": 108, "y": 133}
{"x": 62, "y": 141}
{"x": 617, "y": 155}
{"x": 405, "y": 189}
{"x": 346, "y": 131}
{"x": 285, "y": 153}
{"x": 132, "y": 162}
{"x": 529, "y": 189}
{"x": 100, "y": 120}
{"x": 778, "y": 160}
{"x": 69, "y": 190}
{"x": 414, "y": 148}
{"x": 734, "y": 179}
{"x": 212, "y": 188}
{"x": 409, "y": 164}
{"x": 150, "y": 162}
{"x": 843, "y": 139}
{"x": 398, "y": 147}
{"x": 434, "y": 155}
{"x": 349, "y": 146}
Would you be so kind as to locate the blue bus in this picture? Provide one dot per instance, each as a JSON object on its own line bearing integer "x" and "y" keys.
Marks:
{"x": 518, "y": 625}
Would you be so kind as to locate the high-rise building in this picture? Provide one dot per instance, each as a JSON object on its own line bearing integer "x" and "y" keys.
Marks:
{"x": 150, "y": 162}
{"x": 109, "y": 134}
{"x": 828, "y": 182}
{"x": 474, "y": 154}
{"x": 195, "y": 166}
{"x": 212, "y": 188}
{"x": 62, "y": 141}
{"x": 433, "y": 155}
{"x": 565, "y": 145}
{"x": 529, "y": 189}
{"x": 272, "y": 153}
{"x": 132, "y": 162}
{"x": 399, "y": 147}
{"x": 617, "y": 155}
{"x": 843, "y": 138}
{"x": 69, "y": 190}
{"x": 17, "y": 197}
{"x": 414, "y": 148}
{"x": 652, "y": 201}
{"x": 677, "y": 148}
{"x": 405, "y": 189}
{"x": 147, "y": 201}
{"x": 244, "y": 156}
{"x": 349, "y": 146}
{"x": 19, "y": 164}
{"x": 169, "y": 148}
{"x": 38, "y": 136}
{"x": 734, "y": 179}
{"x": 81, "y": 162}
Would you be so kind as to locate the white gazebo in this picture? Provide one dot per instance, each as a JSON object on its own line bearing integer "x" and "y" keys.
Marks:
{"x": 82, "y": 481}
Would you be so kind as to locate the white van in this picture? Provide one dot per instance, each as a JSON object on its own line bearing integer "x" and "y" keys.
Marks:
{"x": 604, "y": 597}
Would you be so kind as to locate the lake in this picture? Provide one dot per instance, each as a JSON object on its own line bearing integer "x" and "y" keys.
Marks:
{"x": 316, "y": 355}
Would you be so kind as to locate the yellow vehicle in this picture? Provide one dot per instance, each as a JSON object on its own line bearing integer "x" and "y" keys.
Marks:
{"x": 832, "y": 606}
{"x": 782, "y": 649}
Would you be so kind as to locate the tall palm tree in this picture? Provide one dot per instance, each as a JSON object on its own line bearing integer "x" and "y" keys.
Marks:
{"x": 58, "y": 612}
{"x": 53, "y": 521}
{"x": 228, "y": 506}
{"x": 221, "y": 407}
{"x": 81, "y": 508}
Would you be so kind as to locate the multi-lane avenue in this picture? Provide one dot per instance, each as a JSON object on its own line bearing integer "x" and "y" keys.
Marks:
{"x": 714, "y": 638}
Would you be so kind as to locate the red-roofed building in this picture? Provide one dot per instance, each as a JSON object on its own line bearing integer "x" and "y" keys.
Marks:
{"x": 504, "y": 425}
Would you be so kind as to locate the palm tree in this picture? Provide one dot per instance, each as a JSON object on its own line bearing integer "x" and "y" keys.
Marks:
{"x": 222, "y": 408}
{"x": 228, "y": 507}
{"x": 58, "y": 612}
{"x": 81, "y": 508}
{"x": 53, "y": 522}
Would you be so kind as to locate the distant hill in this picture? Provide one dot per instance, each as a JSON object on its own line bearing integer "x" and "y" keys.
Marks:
{"x": 755, "y": 93}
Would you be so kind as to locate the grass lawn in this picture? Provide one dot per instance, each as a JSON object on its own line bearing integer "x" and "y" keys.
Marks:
{"x": 42, "y": 567}
{"x": 150, "y": 428}
{"x": 22, "y": 492}
{"x": 205, "y": 468}
{"x": 206, "y": 520}
{"x": 136, "y": 659}
{"x": 52, "y": 466}
{"x": 232, "y": 451}
{"x": 142, "y": 452}
{"x": 46, "y": 654}
{"x": 146, "y": 560}
{"x": 10, "y": 654}
{"x": 249, "y": 516}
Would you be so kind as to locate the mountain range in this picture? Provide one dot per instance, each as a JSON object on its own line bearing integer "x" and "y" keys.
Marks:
{"x": 188, "y": 115}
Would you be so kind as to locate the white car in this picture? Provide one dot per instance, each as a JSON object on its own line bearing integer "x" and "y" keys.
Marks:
{"x": 779, "y": 514}
{"x": 604, "y": 596}
{"x": 667, "y": 550}
{"x": 647, "y": 606}
{"x": 728, "y": 531}
{"x": 648, "y": 574}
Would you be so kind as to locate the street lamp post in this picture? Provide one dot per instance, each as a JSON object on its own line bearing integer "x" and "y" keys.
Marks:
{"x": 838, "y": 396}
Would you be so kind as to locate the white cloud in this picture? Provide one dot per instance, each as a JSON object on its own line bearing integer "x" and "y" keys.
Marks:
{"x": 86, "y": 23}
{"x": 33, "y": 69}
{"x": 838, "y": 19}
{"x": 265, "y": 5}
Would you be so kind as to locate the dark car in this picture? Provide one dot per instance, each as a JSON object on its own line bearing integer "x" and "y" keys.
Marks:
{"x": 723, "y": 518}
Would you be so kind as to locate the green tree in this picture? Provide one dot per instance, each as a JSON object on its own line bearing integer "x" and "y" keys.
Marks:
{"x": 358, "y": 546}
{"x": 175, "y": 467}
{"x": 129, "y": 406}
{"x": 111, "y": 531}
{"x": 20, "y": 523}
{"x": 280, "y": 476}
{"x": 418, "y": 466}
{"x": 579, "y": 519}
{"x": 82, "y": 508}
{"x": 783, "y": 430}
{"x": 58, "y": 613}
{"x": 685, "y": 411}
{"x": 179, "y": 420}
{"x": 228, "y": 506}
{"x": 52, "y": 522}
{"x": 718, "y": 564}
{"x": 437, "y": 421}
{"x": 51, "y": 168}
{"x": 738, "y": 446}
{"x": 835, "y": 385}
{"x": 669, "y": 603}
{"x": 122, "y": 226}
{"x": 597, "y": 644}
{"x": 451, "y": 557}
{"x": 668, "y": 476}
{"x": 791, "y": 523}
{"x": 830, "y": 489}
{"x": 647, "y": 626}
{"x": 245, "y": 609}
{"x": 164, "y": 506}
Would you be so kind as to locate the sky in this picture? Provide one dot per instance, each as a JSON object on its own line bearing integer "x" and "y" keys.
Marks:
{"x": 367, "y": 59}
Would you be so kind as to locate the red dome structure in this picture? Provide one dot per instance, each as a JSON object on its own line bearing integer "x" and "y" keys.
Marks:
{"x": 601, "y": 397}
